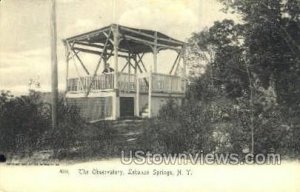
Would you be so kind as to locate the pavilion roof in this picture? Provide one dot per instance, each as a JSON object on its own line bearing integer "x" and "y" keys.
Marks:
{"x": 132, "y": 40}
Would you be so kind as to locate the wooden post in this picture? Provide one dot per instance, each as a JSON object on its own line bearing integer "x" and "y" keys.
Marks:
{"x": 116, "y": 46}
{"x": 67, "y": 65}
{"x": 155, "y": 53}
{"x": 152, "y": 67}
{"x": 54, "y": 84}
{"x": 175, "y": 62}
{"x": 137, "y": 87}
{"x": 184, "y": 67}
{"x": 137, "y": 104}
{"x": 116, "y": 102}
{"x": 129, "y": 72}
{"x": 150, "y": 94}
{"x": 105, "y": 58}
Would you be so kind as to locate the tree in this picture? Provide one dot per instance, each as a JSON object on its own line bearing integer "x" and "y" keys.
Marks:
{"x": 255, "y": 65}
{"x": 221, "y": 47}
{"x": 272, "y": 39}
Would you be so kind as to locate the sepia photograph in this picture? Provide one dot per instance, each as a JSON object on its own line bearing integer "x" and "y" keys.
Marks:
{"x": 149, "y": 95}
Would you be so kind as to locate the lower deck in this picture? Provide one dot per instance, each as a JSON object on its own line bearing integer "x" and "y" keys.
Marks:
{"x": 113, "y": 105}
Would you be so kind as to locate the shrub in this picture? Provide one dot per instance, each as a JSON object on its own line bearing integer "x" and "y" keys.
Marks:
{"x": 221, "y": 126}
{"x": 177, "y": 130}
{"x": 22, "y": 121}
{"x": 25, "y": 128}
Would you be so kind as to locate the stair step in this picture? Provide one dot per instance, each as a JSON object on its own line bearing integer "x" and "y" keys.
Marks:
{"x": 132, "y": 139}
{"x": 145, "y": 114}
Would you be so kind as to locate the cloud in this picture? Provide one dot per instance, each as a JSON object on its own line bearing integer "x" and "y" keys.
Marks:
{"x": 16, "y": 68}
{"x": 174, "y": 18}
{"x": 79, "y": 26}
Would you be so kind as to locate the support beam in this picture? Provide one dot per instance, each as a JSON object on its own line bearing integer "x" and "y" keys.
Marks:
{"x": 137, "y": 86}
{"x": 108, "y": 37}
{"x": 116, "y": 105}
{"x": 184, "y": 67}
{"x": 67, "y": 52}
{"x": 124, "y": 66}
{"x": 73, "y": 55}
{"x": 178, "y": 63}
{"x": 115, "y": 32}
{"x": 141, "y": 71}
{"x": 89, "y": 44}
{"x": 80, "y": 82}
{"x": 134, "y": 58}
{"x": 96, "y": 52}
{"x": 150, "y": 43}
{"x": 151, "y": 36}
{"x": 175, "y": 63}
{"x": 141, "y": 61}
{"x": 129, "y": 66}
{"x": 88, "y": 35}
{"x": 100, "y": 46}
{"x": 80, "y": 61}
{"x": 137, "y": 96}
{"x": 155, "y": 53}
{"x": 98, "y": 65}
{"x": 150, "y": 94}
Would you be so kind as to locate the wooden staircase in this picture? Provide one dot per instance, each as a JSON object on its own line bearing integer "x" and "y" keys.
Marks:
{"x": 145, "y": 111}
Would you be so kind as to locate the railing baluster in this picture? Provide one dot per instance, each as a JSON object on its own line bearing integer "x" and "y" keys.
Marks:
{"x": 127, "y": 83}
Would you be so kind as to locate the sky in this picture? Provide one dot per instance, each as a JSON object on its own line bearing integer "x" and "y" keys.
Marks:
{"x": 25, "y": 30}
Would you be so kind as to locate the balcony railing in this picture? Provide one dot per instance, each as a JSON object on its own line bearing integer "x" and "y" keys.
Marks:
{"x": 161, "y": 83}
{"x": 101, "y": 82}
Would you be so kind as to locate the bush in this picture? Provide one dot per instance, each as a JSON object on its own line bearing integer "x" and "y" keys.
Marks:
{"x": 177, "y": 130}
{"x": 25, "y": 128}
{"x": 22, "y": 121}
{"x": 221, "y": 126}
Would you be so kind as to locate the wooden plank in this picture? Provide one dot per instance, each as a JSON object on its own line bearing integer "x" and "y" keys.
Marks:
{"x": 155, "y": 53}
{"x": 150, "y": 95}
{"x": 88, "y": 35}
{"x": 150, "y": 43}
{"x": 83, "y": 66}
{"x": 175, "y": 62}
{"x": 89, "y": 44}
{"x": 184, "y": 79}
{"x": 178, "y": 63}
{"x": 141, "y": 60}
{"x": 67, "y": 59}
{"x": 96, "y": 52}
{"x": 115, "y": 32}
{"x": 124, "y": 67}
{"x": 152, "y": 36}
{"x": 137, "y": 96}
{"x": 99, "y": 46}
{"x": 108, "y": 37}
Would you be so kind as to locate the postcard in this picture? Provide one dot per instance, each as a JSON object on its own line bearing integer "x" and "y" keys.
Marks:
{"x": 149, "y": 95}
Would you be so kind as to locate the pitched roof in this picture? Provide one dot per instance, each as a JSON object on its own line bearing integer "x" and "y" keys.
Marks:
{"x": 132, "y": 40}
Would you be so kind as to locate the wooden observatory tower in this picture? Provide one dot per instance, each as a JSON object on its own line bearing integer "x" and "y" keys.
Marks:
{"x": 126, "y": 89}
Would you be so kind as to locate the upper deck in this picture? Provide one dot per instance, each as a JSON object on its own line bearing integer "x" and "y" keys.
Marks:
{"x": 161, "y": 83}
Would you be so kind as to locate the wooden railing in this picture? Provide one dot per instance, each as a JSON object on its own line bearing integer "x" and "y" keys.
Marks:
{"x": 167, "y": 83}
{"x": 161, "y": 83}
{"x": 127, "y": 82}
{"x": 101, "y": 82}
